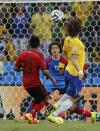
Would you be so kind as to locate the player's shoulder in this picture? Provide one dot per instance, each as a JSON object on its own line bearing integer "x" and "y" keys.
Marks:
{"x": 37, "y": 52}
{"x": 24, "y": 52}
{"x": 48, "y": 59}
{"x": 63, "y": 60}
{"x": 68, "y": 39}
{"x": 21, "y": 55}
{"x": 77, "y": 40}
{"x": 40, "y": 53}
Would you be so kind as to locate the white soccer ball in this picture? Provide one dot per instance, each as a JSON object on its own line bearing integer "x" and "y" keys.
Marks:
{"x": 57, "y": 15}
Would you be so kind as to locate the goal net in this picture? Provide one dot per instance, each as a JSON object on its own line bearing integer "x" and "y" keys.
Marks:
{"x": 22, "y": 18}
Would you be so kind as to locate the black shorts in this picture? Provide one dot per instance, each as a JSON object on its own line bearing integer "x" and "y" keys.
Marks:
{"x": 39, "y": 93}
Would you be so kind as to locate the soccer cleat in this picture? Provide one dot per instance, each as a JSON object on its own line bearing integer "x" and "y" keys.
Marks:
{"x": 93, "y": 117}
{"x": 30, "y": 119}
{"x": 55, "y": 119}
{"x": 36, "y": 121}
{"x": 51, "y": 109}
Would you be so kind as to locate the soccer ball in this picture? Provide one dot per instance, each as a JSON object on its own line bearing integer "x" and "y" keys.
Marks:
{"x": 57, "y": 15}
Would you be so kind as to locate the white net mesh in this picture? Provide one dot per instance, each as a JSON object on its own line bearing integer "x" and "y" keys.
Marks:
{"x": 19, "y": 20}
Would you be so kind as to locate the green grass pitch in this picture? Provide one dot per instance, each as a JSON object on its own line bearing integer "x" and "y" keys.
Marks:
{"x": 12, "y": 125}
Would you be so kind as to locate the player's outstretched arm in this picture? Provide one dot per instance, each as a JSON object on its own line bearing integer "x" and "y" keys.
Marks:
{"x": 47, "y": 74}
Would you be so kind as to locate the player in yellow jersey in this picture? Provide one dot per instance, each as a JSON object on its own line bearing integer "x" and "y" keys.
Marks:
{"x": 74, "y": 51}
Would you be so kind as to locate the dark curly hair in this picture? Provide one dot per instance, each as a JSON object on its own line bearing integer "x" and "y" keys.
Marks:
{"x": 74, "y": 26}
{"x": 34, "y": 41}
{"x": 55, "y": 43}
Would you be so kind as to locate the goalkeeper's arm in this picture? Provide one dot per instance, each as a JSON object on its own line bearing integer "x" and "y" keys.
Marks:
{"x": 47, "y": 74}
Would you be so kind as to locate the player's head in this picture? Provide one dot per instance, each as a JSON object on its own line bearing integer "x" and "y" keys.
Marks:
{"x": 74, "y": 26}
{"x": 55, "y": 47}
{"x": 34, "y": 41}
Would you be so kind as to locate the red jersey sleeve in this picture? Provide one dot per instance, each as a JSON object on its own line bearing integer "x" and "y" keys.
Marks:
{"x": 63, "y": 62}
{"x": 85, "y": 67}
{"x": 85, "y": 71}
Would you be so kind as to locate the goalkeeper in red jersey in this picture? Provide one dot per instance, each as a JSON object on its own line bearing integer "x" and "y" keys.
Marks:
{"x": 30, "y": 62}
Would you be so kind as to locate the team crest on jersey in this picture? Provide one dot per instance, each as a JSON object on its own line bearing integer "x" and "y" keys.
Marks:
{"x": 75, "y": 48}
{"x": 56, "y": 68}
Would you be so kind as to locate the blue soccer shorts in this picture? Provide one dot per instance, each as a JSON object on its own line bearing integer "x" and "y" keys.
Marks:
{"x": 73, "y": 85}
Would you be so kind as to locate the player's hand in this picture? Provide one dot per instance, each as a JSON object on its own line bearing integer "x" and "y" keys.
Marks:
{"x": 53, "y": 80}
{"x": 81, "y": 75}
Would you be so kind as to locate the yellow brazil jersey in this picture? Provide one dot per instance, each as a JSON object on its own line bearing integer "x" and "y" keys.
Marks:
{"x": 73, "y": 46}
